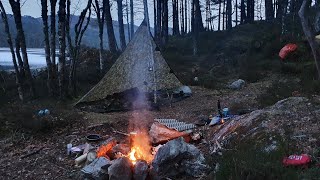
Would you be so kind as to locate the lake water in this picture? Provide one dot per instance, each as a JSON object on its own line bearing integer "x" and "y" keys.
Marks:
{"x": 36, "y": 57}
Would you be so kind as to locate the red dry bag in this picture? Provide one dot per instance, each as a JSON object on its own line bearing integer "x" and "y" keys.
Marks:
{"x": 296, "y": 160}
{"x": 287, "y": 49}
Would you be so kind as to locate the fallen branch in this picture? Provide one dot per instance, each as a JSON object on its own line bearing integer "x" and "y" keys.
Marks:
{"x": 32, "y": 153}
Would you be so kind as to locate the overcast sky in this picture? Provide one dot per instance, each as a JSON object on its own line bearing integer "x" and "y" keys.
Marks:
{"x": 33, "y": 8}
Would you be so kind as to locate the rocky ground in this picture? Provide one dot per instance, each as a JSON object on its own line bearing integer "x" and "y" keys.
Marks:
{"x": 295, "y": 118}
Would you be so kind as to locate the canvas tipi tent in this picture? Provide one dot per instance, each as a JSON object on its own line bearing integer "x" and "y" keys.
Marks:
{"x": 140, "y": 69}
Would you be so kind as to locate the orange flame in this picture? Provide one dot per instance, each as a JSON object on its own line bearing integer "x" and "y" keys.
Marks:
{"x": 104, "y": 149}
{"x": 140, "y": 148}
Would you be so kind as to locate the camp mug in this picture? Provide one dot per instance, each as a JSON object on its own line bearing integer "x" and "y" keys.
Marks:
{"x": 225, "y": 112}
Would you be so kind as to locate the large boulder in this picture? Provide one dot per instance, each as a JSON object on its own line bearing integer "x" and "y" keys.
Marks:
{"x": 97, "y": 169}
{"x": 179, "y": 158}
{"x": 120, "y": 169}
{"x": 238, "y": 84}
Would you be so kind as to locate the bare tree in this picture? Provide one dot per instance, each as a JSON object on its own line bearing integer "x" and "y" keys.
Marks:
{"x": 121, "y": 27}
{"x": 269, "y": 13}
{"x": 159, "y": 18}
{"x": 44, "y": 15}
{"x": 131, "y": 18}
{"x": 100, "y": 18}
{"x": 62, "y": 48}
{"x": 128, "y": 26}
{"x": 111, "y": 38}
{"x": 165, "y": 17}
{"x": 53, "y": 4}
{"x": 15, "y": 6}
{"x": 74, "y": 48}
{"x": 243, "y": 15}
{"x": 229, "y": 14}
{"x": 9, "y": 40}
{"x": 308, "y": 31}
{"x": 175, "y": 16}
{"x": 195, "y": 28}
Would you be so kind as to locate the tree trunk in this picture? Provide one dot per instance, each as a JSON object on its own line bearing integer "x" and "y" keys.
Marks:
{"x": 317, "y": 18}
{"x": 192, "y": 16}
{"x": 282, "y": 9}
{"x": 53, "y": 4}
{"x": 229, "y": 14}
{"x": 19, "y": 58}
{"x": 132, "y": 18}
{"x": 100, "y": 18}
{"x": 186, "y": 16}
{"x": 9, "y": 40}
{"x": 309, "y": 34}
{"x": 165, "y": 28}
{"x": 128, "y": 24}
{"x": 15, "y": 5}
{"x": 236, "y": 12}
{"x": 269, "y": 10}
{"x": 44, "y": 15}
{"x": 198, "y": 16}
{"x": 224, "y": 15}
{"x": 121, "y": 27}
{"x": 219, "y": 16}
{"x": 159, "y": 18}
{"x": 111, "y": 38}
{"x": 250, "y": 10}
{"x": 62, "y": 48}
{"x": 182, "y": 17}
{"x": 195, "y": 28}
{"x": 174, "y": 16}
{"x": 75, "y": 49}
{"x": 155, "y": 17}
{"x": 243, "y": 15}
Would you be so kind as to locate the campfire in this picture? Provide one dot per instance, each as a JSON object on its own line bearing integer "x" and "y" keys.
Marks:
{"x": 140, "y": 148}
{"x": 133, "y": 157}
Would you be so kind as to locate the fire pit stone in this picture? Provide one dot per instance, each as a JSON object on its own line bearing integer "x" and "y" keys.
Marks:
{"x": 120, "y": 169}
{"x": 97, "y": 169}
{"x": 178, "y": 157}
{"x": 140, "y": 171}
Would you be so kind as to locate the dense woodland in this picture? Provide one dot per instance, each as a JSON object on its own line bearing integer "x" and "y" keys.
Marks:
{"x": 186, "y": 16}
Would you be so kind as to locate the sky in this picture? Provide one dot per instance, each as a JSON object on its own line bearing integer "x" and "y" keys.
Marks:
{"x": 33, "y": 8}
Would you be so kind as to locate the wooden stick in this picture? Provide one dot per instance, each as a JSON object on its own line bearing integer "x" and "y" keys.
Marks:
{"x": 120, "y": 132}
{"x": 32, "y": 153}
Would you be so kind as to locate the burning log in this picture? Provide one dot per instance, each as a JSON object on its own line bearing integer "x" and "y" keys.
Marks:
{"x": 106, "y": 148}
{"x": 121, "y": 149}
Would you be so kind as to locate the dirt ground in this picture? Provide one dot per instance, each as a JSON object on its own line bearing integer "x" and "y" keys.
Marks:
{"x": 71, "y": 126}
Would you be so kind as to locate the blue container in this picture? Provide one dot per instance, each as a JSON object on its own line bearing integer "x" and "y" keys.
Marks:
{"x": 41, "y": 113}
{"x": 225, "y": 112}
